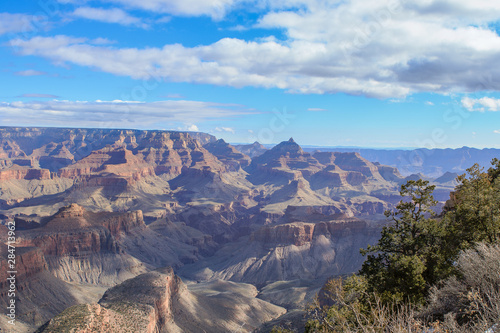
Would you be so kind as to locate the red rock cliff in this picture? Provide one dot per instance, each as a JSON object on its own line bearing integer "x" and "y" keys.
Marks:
{"x": 17, "y": 173}
{"x": 29, "y": 262}
{"x": 73, "y": 231}
{"x": 300, "y": 233}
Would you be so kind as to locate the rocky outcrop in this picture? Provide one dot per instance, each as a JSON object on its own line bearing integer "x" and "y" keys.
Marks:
{"x": 53, "y": 156}
{"x": 170, "y": 152}
{"x": 106, "y": 248}
{"x": 290, "y": 251}
{"x": 154, "y": 292}
{"x": 122, "y": 224}
{"x": 356, "y": 168}
{"x": 390, "y": 174}
{"x": 227, "y": 154}
{"x": 73, "y": 231}
{"x": 57, "y": 148}
{"x": 285, "y": 234}
{"x": 117, "y": 161}
{"x": 209, "y": 213}
{"x": 103, "y": 166}
{"x": 370, "y": 208}
{"x": 39, "y": 294}
{"x": 322, "y": 179}
{"x": 336, "y": 212}
{"x": 253, "y": 150}
{"x": 158, "y": 302}
{"x": 74, "y": 216}
{"x": 29, "y": 262}
{"x": 299, "y": 234}
{"x": 287, "y": 154}
{"x": 17, "y": 173}
{"x": 130, "y": 170}
{"x": 84, "y": 246}
{"x": 75, "y": 243}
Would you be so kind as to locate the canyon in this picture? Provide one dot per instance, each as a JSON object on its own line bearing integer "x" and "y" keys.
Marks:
{"x": 156, "y": 231}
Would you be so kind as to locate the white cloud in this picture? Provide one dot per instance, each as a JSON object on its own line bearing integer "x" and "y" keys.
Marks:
{"x": 113, "y": 114}
{"x": 193, "y": 128}
{"x": 113, "y": 15}
{"x": 429, "y": 103}
{"x": 385, "y": 49}
{"x": 316, "y": 109}
{"x": 481, "y": 104}
{"x": 225, "y": 129}
{"x": 496, "y": 131}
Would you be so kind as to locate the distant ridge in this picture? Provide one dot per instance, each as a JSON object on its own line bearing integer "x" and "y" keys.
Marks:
{"x": 431, "y": 163}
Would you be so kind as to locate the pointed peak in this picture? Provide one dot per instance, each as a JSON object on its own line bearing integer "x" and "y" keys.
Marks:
{"x": 220, "y": 141}
{"x": 288, "y": 146}
{"x": 288, "y": 143}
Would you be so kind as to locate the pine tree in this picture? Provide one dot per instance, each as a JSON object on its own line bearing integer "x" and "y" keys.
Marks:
{"x": 476, "y": 215}
{"x": 410, "y": 255}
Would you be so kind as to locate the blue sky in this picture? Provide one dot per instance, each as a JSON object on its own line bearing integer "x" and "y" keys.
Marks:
{"x": 420, "y": 73}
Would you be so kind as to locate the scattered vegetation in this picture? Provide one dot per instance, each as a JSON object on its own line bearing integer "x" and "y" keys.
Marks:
{"x": 427, "y": 273}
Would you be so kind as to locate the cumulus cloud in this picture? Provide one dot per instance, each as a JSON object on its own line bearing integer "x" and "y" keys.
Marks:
{"x": 481, "y": 104}
{"x": 115, "y": 114}
{"x": 384, "y": 49}
{"x": 113, "y": 15}
{"x": 496, "y": 131}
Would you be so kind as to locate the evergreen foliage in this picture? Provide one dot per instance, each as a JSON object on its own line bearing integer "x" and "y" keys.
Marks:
{"x": 476, "y": 215}
{"x": 424, "y": 260}
{"x": 411, "y": 254}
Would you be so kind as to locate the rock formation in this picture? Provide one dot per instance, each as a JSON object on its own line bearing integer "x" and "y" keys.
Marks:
{"x": 227, "y": 154}
{"x": 121, "y": 170}
{"x": 159, "y": 301}
{"x": 253, "y": 150}
{"x": 98, "y": 208}
{"x": 290, "y": 251}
